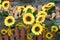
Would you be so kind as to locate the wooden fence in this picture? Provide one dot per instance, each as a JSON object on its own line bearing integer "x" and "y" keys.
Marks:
{"x": 22, "y": 35}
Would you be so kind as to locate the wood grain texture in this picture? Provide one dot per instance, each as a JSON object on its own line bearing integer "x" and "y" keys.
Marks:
{"x": 22, "y": 34}
{"x": 5, "y": 37}
{"x": 0, "y": 37}
{"x": 17, "y": 33}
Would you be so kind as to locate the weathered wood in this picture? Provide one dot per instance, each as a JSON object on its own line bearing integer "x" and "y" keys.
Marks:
{"x": 5, "y": 37}
{"x": 17, "y": 33}
{"x": 27, "y": 32}
{"x": 40, "y": 37}
{"x": 0, "y": 37}
{"x": 22, "y": 34}
{"x": 54, "y": 34}
{"x": 34, "y": 38}
{"x": 12, "y": 37}
{"x": 53, "y": 38}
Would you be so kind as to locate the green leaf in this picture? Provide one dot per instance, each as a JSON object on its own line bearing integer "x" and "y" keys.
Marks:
{"x": 32, "y": 34}
{"x": 5, "y": 13}
{"x": 35, "y": 13}
{"x": 55, "y": 1}
{"x": 29, "y": 10}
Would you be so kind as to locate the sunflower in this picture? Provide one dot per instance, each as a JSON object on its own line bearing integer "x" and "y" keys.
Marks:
{"x": 0, "y": 1}
{"x": 20, "y": 25}
{"x": 37, "y": 29}
{"x": 3, "y": 31}
{"x": 29, "y": 7}
{"x": 51, "y": 4}
{"x": 0, "y": 6}
{"x": 19, "y": 8}
{"x": 6, "y": 5}
{"x": 45, "y": 29}
{"x": 9, "y": 32}
{"x": 54, "y": 28}
{"x": 9, "y": 21}
{"x": 28, "y": 18}
{"x": 40, "y": 19}
{"x": 42, "y": 13}
{"x": 49, "y": 35}
{"x": 43, "y": 26}
{"x": 29, "y": 37}
{"x": 45, "y": 8}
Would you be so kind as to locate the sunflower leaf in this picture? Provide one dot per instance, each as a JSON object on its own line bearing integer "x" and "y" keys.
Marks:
{"x": 32, "y": 34}
{"x": 5, "y": 13}
{"x": 29, "y": 10}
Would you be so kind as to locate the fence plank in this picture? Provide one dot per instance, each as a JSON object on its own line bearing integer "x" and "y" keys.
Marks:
{"x": 17, "y": 33}
{"x": 5, "y": 37}
{"x": 40, "y": 37}
{"x": 34, "y": 38}
{"x": 28, "y": 31}
{"x": 0, "y": 37}
{"x": 12, "y": 37}
{"x": 54, "y": 35}
{"x": 22, "y": 34}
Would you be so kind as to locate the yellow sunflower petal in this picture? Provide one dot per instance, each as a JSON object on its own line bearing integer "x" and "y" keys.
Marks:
{"x": 0, "y": 6}
{"x": 19, "y": 8}
{"x": 49, "y": 35}
{"x": 51, "y": 4}
{"x": 45, "y": 7}
{"x": 6, "y": 5}
{"x": 40, "y": 19}
{"x": 28, "y": 18}
{"x": 54, "y": 28}
{"x": 29, "y": 6}
{"x": 3, "y": 31}
{"x": 0, "y": 1}
{"x": 37, "y": 29}
{"x": 9, "y": 31}
{"x": 9, "y": 21}
{"x": 42, "y": 13}
{"x": 29, "y": 37}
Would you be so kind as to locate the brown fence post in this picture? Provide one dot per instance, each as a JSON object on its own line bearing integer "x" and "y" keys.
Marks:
{"x": 22, "y": 34}
{"x": 5, "y": 37}
{"x": 40, "y": 37}
{"x": 28, "y": 32}
{"x": 12, "y": 37}
{"x": 34, "y": 38}
{"x": 0, "y": 37}
{"x": 17, "y": 33}
{"x": 54, "y": 34}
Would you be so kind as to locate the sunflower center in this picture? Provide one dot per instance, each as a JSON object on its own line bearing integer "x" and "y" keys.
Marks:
{"x": 46, "y": 7}
{"x": 54, "y": 28}
{"x": 28, "y": 18}
{"x": 42, "y": 13}
{"x": 49, "y": 4}
{"x": 37, "y": 29}
{"x": 49, "y": 35}
{"x": 9, "y": 20}
{"x": 40, "y": 18}
{"x": 5, "y": 4}
{"x": 3, "y": 31}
